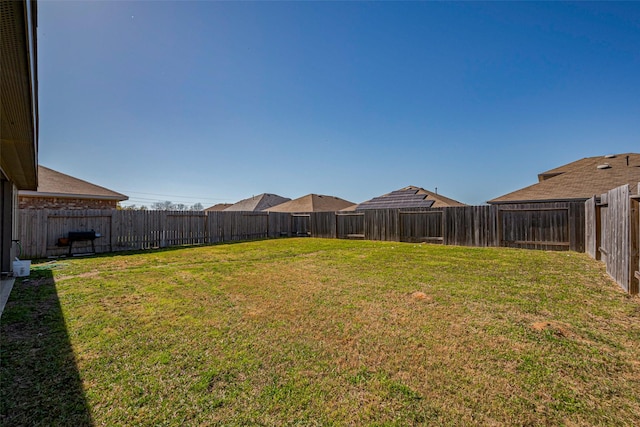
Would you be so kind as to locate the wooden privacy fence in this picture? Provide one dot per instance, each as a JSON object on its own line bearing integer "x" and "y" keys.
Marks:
{"x": 612, "y": 235}
{"x": 555, "y": 226}
{"x": 123, "y": 230}
{"x": 550, "y": 226}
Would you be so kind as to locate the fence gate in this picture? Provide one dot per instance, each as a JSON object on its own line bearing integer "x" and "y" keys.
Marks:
{"x": 300, "y": 225}
{"x": 534, "y": 228}
{"x": 350, "y": 226}
{"x": 421, "y": 226}
{"x": 60, "y": 223}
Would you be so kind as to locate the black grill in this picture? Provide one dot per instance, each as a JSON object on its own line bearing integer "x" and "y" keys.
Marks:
{"x": 77, "y": 236}
{"x": 82, "y": 236}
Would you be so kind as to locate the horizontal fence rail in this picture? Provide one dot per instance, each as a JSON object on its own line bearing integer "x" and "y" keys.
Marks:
{"x": 551, "y": 226}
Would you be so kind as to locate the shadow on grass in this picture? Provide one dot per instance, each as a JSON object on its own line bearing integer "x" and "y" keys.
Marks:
{"x": 124, "y": 253}
{"x": 39, "y": 379}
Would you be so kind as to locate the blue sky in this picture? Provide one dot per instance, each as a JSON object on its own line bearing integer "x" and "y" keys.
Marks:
{"x": 218, "y": 101}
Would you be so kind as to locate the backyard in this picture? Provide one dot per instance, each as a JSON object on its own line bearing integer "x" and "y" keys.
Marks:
{"x": 321, "y": 332}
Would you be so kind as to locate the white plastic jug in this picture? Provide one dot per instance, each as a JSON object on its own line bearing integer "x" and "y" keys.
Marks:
{"x": 21, "y": 268}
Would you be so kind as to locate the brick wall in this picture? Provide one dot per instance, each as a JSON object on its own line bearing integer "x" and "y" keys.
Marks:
{"x": 64, "y": 203}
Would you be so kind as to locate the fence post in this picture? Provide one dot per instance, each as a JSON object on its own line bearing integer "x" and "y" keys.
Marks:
{"x": 42, "y": 240}
{"x": 634, "y": 261}
{"x": 163, "y": 227}
{"x": 111, "y": 232}
{"x": 598, "y": 231}
{"x": 444, "y": 228}
{"x": 636, "y": 274}
{"x": 499, "y": 226}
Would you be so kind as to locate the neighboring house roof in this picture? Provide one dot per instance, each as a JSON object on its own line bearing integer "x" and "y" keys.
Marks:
{"x": 313, "y": 203}
{"x": 258, "y": 203}
{"x": 56, "y": 184}
{"x": 218, "y": 207}
{"x": 580, "y": 180}
{"x": 407, "y": 197}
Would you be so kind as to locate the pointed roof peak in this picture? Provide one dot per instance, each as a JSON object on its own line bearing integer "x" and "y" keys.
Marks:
{"x": 313, "y": 203}
{"x": 408, "y": 197}
{"x": 52, "y": 183}
{"x": 258, "y": 203}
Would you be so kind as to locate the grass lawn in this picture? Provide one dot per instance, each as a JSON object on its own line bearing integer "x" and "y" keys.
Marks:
{"x": 321, "y": 332}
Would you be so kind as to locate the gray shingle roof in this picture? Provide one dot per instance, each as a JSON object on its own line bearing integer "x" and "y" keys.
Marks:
{"x": 407, "y": 197}
{"x": 580, "y": 180}
{"x": 396, "y": 200}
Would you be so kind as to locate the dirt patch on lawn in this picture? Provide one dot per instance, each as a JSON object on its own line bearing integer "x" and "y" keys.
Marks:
{"x": 421, "y": 296}
{"x": 557, "y": 328}
{"x": 89, "y": 274}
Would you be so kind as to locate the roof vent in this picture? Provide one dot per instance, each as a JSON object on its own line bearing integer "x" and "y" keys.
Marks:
{"x": 604, "y": 166}
{"x": 610, "y": 156}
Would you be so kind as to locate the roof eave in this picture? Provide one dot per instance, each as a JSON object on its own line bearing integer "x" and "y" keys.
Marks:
{"x": 517, "y": 202}
{"x": 19, "y": 96}
{"x": 28, "y": 193}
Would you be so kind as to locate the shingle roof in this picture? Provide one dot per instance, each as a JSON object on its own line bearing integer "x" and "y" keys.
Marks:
{"x": 52, "y": 183}
{"x": 218, "y": 207}
{"x": 407, "y": 197}
{"x": 258, "y": 203}
{"x": 580, "y": 180}
{"x": 313, "y": 203}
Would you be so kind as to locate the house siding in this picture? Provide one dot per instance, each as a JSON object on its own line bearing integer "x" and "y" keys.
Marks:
{"x": 65, "y": 203}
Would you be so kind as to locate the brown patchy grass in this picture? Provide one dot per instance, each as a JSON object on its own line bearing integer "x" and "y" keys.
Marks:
{"x": 329, "y": 332}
